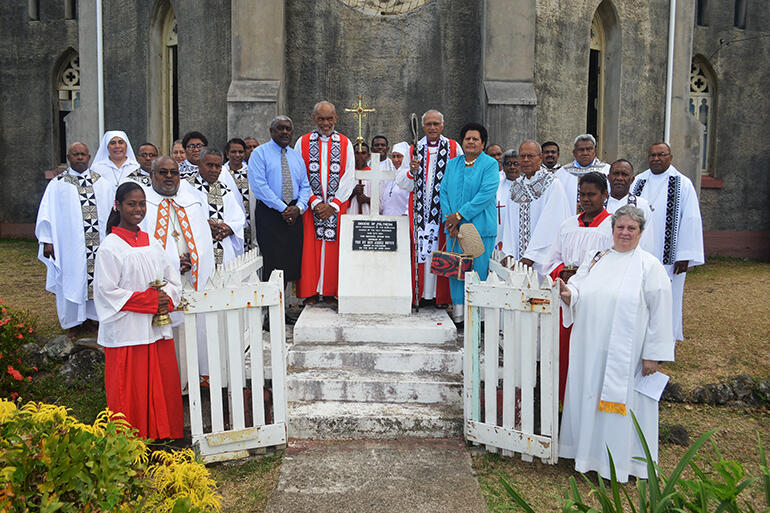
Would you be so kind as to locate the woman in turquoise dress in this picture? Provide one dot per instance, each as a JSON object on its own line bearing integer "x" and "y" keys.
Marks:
{"x": 468, "y": 193}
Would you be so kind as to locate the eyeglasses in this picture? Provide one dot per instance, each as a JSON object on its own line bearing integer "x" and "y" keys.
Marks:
{"x": 195, "y": 146}
{"x": 167, "y": 172}
{"x": 145, "y": 155}
{"x": 658, "y": 155}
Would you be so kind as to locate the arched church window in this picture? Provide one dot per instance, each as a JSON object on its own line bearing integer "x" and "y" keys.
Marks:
{"x": 702, "y": 107}
{"x": 70, "y": 9}
{"x": 68, "y": 96}
{"x": 33, "y": 10}
{"x": 163, "y": 98}
{"x": 739, "y": 18}
{"x": 702, "y": 12}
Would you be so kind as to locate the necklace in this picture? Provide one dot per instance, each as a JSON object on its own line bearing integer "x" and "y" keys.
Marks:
{"x": 467, "y": 164}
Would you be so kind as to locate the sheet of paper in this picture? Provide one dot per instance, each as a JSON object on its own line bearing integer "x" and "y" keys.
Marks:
{"x": 652, "y": 386}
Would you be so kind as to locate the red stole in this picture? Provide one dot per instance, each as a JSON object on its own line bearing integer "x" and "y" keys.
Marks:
{"x": 307, "y": 284}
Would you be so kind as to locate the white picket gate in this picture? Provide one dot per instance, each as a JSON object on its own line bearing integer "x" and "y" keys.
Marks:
{"x": 232, "y": 305}
{"x": 516, "y": 312}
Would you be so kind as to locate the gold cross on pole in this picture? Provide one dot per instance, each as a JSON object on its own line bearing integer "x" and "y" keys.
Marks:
{"x": 360, "y": 111}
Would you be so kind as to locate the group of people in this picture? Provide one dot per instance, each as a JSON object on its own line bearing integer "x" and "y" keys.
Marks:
{"x": 148, "y": 217}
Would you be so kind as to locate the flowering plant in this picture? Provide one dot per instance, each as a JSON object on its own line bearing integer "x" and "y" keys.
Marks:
{"x": 16, "y": 329}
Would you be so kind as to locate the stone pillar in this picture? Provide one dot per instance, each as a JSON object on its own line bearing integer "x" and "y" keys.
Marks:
{"x": 83, "y": 122}
{"x": 508, "y": 71}
{"x": 686, "y": 131}
{"x": 256, "y": 94}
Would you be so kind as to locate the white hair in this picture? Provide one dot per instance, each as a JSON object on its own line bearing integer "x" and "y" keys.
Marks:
{"x": 635, "y": 213}
{"x": 584, "y": 137}
{"x": 432, "y": 111}
{"x": 318, "y": 105}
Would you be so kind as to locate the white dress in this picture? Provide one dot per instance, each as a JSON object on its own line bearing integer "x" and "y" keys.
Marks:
{"x": 586, "y": 432}
{"x": 121, "y": 270}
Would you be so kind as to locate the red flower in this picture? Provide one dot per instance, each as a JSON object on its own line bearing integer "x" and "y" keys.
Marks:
{"x": 29, "y": 330}
{"x": 29, "y": 379}
{"x": 16, "y": 374}
{"x": 20, "y": 325}
{"x": 18, "y": 360}
{"x": 5, "y": 321}
{"x": 19, "y": 336}
{"x": 14, "y": 396}
{"x": 34, "y": 368}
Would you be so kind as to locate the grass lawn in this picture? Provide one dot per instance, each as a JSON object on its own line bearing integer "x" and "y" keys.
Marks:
{"x": 22, "y": 284}
{"x": 726, "y": 326}
{"x": 542, "y": 485}
{"x": 246, "y": 486}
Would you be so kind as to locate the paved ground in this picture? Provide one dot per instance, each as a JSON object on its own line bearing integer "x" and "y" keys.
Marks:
{"x": 416, "y": 476}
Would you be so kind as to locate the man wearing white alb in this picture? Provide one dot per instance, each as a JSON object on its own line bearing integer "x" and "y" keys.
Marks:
{"x": 543, "y": 206}
{"x": 620, "y": 177}
{"x": 226, "y": 217}
{"x": 676, "y": 215}
{"x": 426, "y": 169}
{"x": 586, "y": 161}
{"x": 620, "y": 302}
{"x": 70, "y": 225}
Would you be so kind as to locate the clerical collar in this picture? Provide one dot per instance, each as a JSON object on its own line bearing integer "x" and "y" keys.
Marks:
{"x": 73, "y": 172}
{"x": 433, "y": 144}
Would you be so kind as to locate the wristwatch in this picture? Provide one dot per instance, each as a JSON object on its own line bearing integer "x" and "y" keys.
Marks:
{"x": 458, "y": 216}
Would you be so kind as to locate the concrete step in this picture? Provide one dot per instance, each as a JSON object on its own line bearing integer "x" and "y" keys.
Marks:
{"x": 332, "y": 420}
{"x": 373, "y": 386}
{"x": 320, "y": 324}
{"x": 377, "y": 357}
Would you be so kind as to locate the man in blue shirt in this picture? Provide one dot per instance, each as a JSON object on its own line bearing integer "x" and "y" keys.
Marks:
{"x": 278, "y": 180}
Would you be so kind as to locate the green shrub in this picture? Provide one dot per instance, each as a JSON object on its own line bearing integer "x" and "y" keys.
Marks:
{"x": 16, "y": 329}
{"x": 50, "y": 462}
{"x": 711, "y": 490}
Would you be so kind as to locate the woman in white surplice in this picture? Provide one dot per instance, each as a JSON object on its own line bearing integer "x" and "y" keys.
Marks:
{"x": 620, "y": 301}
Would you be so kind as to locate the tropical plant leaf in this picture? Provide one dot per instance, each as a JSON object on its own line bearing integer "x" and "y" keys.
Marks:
{"x": 517, "y": 498}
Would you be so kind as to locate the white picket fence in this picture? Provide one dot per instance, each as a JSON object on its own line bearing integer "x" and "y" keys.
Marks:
{"x": 232, "y": 305}
{"x": 516, "y": 313}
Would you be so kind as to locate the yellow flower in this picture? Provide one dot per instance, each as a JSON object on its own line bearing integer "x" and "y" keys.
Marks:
{"x": 7, "y": 410}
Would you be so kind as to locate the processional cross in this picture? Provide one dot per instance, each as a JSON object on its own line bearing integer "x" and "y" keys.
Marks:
{"x": 360, "y": 111}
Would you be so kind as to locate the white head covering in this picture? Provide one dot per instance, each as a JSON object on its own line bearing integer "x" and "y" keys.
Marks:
{"x": 102, "y": 158}
{"x": 403, "y": 149}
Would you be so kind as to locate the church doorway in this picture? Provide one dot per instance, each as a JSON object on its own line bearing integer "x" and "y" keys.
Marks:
{"x": 604, "y": 82}
{"x": 163, "y": 114}
{"x": 595, "y": 82}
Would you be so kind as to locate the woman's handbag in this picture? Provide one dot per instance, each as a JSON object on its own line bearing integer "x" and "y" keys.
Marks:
{"x": 451, "y": 264}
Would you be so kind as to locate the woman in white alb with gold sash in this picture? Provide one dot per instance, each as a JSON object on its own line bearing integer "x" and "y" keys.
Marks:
{"x": 620, "y": 301}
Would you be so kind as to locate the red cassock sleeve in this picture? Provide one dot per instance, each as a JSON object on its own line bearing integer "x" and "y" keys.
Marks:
{"x": 145, "y": 302}
{"x": 556, "y": 272}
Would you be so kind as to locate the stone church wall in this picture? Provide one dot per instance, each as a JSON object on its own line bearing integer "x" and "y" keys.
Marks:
{"x": 427, "y": 58}
{"x": 203, "y": 60}
{"x": 742, "y": 151}
{"x": 561, "y": 71}
{"x": 29, "y": 55}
